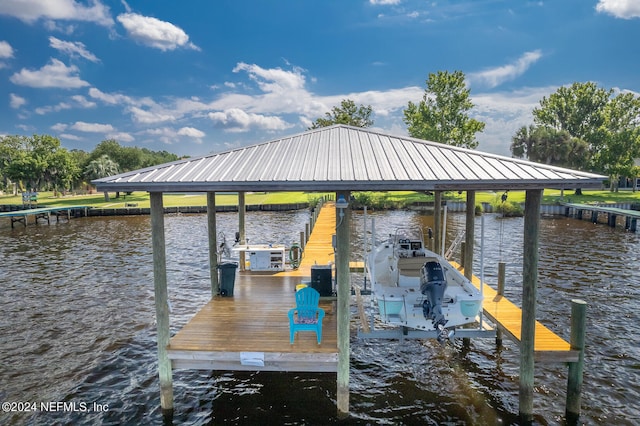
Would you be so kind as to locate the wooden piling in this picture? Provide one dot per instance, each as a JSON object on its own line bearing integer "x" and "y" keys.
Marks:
{"x": 242, "y": 208}
{"x": 343, "y": 225}
{"x": 574, "y": 382}
{"x": 469, "y": 234}
{"x": 161, "y": 299}
{"x": 437, "y": 221}
{"x": 529, "y": 294}
{"x": 501, "y": 280}
{"x": 213, "y": 243}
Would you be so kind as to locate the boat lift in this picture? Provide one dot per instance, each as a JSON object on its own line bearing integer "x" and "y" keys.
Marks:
{"x": 400, "y": 332}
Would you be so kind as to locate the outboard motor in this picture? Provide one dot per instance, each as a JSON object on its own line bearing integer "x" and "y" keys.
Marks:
{"x": 433, "y": 285}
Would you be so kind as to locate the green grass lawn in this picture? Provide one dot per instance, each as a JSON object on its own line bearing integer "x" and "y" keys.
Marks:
{"x": 172, "y": 200}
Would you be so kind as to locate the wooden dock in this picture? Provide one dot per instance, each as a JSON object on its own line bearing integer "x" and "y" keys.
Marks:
{"x": 319, "y": 249}
{"x": 250, "y": 331}
{"x": 42, "y": 213}
{"x": 548, "y": 346}
{"x": 631, "y": 216}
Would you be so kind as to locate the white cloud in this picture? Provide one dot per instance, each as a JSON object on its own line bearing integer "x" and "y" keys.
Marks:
{"x": 170, "y": 136}
{"x": 70, "y": 10}
{"x": 76, "y": 101}
{"x": 81, "y": 126}
{"x": 16, "y": 101}
{"x": 155, "y": 33}
{"x": 192, "y": 132}
{"x": 70, "y": 136}
{"x": 237, "y": 120}
{"x": 6, "y": 51}
{"x": 59, "y": 127}
{"x": 149, "y": 117}
{"x": 72, "y": 48}
{"x": 625, "y": 9}
{"x": 53, "y": 75}
{"x": 384, "y": 2}
{"x": 496, "y": 76}
{"x": 274, "y": 80}
{"x": 121, "y": 136}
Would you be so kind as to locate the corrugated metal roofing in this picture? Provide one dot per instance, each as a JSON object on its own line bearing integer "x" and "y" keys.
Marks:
{"x": 347, "y": 158}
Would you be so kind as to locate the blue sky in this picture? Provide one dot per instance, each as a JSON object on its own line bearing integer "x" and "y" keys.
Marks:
{"x": 201, "y": 76}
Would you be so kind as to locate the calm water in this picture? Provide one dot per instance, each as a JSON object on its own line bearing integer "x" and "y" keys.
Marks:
{"x": 78, "y": 326}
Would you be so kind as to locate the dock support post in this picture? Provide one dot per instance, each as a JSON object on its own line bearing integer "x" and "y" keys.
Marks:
{"x": 241, "y": 227}
{"x": 213, "y": 243}
{"x": 343, "y": 225}
{"x": 501, "y": 279}
{"x": 469, "y": 238}
{"x": 574, "y": 382}
{"x": 437, "y": 221}
{"x": 162, "y": 304}
{"x": 469, "y": 234}
{"x": 529, "y": 294}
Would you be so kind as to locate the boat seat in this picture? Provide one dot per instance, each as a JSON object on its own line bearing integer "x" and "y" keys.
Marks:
{"x": 410, "y": 266}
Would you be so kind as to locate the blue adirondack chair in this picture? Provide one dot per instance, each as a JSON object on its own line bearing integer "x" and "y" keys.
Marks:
{"x": 306, "y": 316}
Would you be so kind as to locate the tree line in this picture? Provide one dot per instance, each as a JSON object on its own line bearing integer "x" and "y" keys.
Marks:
{"x": 40, "y": 163}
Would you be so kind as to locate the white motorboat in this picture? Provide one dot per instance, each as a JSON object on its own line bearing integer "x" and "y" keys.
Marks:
{"x": 416, "y": 288}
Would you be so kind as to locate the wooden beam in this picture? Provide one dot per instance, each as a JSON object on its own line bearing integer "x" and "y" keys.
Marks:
{"x": 529, "y": 294}
{"x": 241, "y": 226}
{"x": 162, "y": 306}
{"x": 343, "y": 227}
{"x": 469, "y": 234}
{"x": 574, "y": 381}
{"x": 213, "y": 243}
{"x": 437, "y": 221}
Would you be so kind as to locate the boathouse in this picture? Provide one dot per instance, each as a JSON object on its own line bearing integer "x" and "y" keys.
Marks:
{"x": 339, "y": 159}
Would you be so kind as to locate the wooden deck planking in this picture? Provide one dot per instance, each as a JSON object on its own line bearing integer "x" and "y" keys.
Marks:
{"x": 254, "y": 320}
{"x": 549, "y": 347}
{"x": 319, "y": 248}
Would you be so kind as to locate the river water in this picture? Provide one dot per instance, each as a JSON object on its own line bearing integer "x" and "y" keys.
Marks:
{"x": 77, "y": 330}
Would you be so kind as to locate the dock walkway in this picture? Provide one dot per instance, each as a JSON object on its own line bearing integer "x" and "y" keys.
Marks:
{"x": 548, "y": 346}
{"x": 319, "y": 249}
{"x": 41, "y": 213}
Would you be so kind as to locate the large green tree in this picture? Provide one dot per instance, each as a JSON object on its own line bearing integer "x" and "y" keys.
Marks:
{"x": 550, "y": 146}
{"x": 443, "y": 114}
{"x": 347, "y": 113}
{"x": 605, "y": 121}
{"x": 38, "y": 162}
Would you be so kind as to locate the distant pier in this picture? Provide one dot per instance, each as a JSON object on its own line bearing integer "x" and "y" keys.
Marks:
{"x": 613, "y": 212}
{"x": 44, "y": 213}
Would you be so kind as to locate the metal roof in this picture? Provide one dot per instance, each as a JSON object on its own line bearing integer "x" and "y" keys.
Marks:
{"x": 347, "y": 158}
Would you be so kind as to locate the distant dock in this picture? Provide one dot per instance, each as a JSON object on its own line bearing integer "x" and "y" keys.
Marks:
{"x": 613, "y": 213}
{"x": 44, "y": 213}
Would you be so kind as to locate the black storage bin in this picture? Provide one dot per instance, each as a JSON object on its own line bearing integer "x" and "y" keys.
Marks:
{"x": 321, "y": 279}
{"x": 227, "y": 277}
